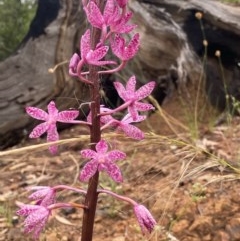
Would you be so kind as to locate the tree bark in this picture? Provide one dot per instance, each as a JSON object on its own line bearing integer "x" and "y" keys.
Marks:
{"x": 25, "y": 80}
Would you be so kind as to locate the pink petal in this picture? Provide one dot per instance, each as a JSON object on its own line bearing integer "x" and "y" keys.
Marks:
{"x": 116, "y": 155}
{"x": 110, "y": 12}
{"x": 133, "y": 112}
{"x": 113, "y": 171}
{"x": 145, "y": 90}
{"x": 144, "y": 106}
{"x": 101, "y": 147}
{"x": 145, "y": 218}
{"x": 120, "y": 89}
{"x": 49, "y": 199}
{"x": 74, "y": 61}
{"x": 131, "y": 84}
{"x": 37, "y": 113}
{"x": 67, "y": 115}
{"x": 118, "y": 45}
{"x": 36, "y": 220}
{"x": 94, "y": 15}
{"x": 52, "y": 135}
{"x": 122, "y": 3}
{"x": 121, "y": 26}
{"x": 39, "y": 130}
{"x": 132, "y": 48}
{"x": 26, "y": 209}
{"x": 132, "y": 131}
{"x": 88, "y": 153}
{"x": 97, "y": 54}
{"x": 52, "y": 110}
{"x": 106, "y": 119}
{"x": 125, "y": 28}
{"x": 88, "y": 170}
{"x": 128, "y": 118}
{"x": 39, "y": 194}
{"x": 85, "y": 44}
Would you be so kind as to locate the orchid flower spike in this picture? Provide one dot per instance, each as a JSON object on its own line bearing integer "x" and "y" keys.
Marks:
{"x": 102, "y": 160}
{"x": 50, "y": 119}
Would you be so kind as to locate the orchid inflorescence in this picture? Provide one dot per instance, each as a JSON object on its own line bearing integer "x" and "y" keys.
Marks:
{"x": 112, "y": 22}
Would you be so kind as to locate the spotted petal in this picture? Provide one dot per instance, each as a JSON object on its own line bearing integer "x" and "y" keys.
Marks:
{"x": 132, "y": 131}
{"x": 88, "y": 170}
{"x": 116, "y": 155}
{"x": 128, "y": 119}
{"x": 36, "y": 221}
{"x": 52, "y": 110}
{"x": 52, "y": 135}
{"x": 144, "y": 106}
{"x": 102, "y": 147}
{"x": 67, "y": 115}
{"x": 118, "y": 45}
{"x": 132, "y": 48}
{"x": 85, "y": 44}
{"x": 37, "y": 113}
{"x": 145, "y": 90}
{"x": 111, "y": 12}
{"x": 122, "y": 3}
{"x": 131, "y": 84}
{"x": 113, "y": 171}
{"x": 94, "y": 15}
{"x": 26, "y": 209}
{"x": 39, "y": 130}
{"x": 120, "y": 89}
{"x": 88, "y": 153}
{"x": 133, "y": 111}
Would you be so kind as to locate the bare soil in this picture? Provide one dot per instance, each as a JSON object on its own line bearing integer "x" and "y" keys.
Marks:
{"x": 189, "y": 182}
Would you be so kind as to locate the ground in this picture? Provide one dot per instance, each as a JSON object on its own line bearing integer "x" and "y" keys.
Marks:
{"x": 188, "y": 179}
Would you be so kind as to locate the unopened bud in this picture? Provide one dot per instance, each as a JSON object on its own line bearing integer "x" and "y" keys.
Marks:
{"x": 51, "y": 70}
{"x": 205, "y": 43}
{"x": 198, "y": 15}
{"x": 218, "y": 53}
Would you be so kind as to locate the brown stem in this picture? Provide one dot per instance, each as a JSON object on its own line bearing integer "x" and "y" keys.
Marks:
{"x": 95, "y": 136}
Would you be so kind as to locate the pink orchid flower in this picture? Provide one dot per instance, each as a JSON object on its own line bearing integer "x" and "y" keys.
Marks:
{"x": 93, "y": 56}
{"x": 123, "y": 51}
{"x": 145, "y": 218}
{"x": 102, "y": 160}
{"x": 111, "y": 17}
{"x": 50, "y": 119}
{"x": 88, "y": 56}
{"x": 36, "y": 218}
{"x": 131, "y": 95}
{"x": 99, "y": 20}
